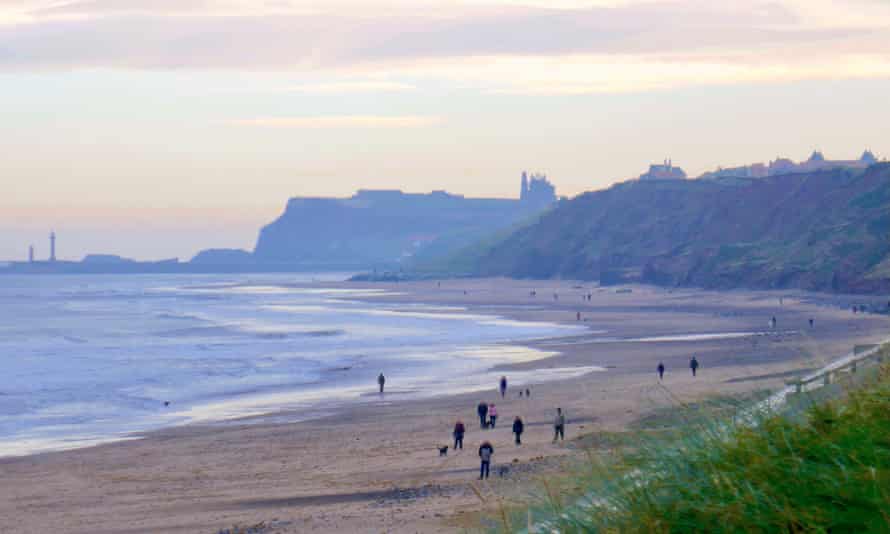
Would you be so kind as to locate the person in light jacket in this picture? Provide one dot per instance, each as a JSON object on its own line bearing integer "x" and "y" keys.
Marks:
{"x": 492, "y": 415}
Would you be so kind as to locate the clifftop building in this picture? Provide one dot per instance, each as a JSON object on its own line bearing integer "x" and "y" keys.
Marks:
{"x": 665, "y": 171}
{"x": 780, "y": 166}
{"x": 536, "y": 190}
{"x": 817, "y": 162}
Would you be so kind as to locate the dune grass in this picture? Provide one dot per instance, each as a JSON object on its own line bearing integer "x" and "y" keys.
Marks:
{"x": 828, "y": 471}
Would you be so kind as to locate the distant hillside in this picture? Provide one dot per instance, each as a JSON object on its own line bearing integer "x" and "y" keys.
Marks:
{"x": 827, "y": 230}
{"x": 386, "y": 227}
{"x": 223, "y": 256}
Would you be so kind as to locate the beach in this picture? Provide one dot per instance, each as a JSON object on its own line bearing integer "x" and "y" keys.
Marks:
{"x": 373, "y": 465}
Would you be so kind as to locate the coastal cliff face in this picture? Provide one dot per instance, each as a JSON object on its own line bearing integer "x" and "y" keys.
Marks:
{"x": 382, "y": 227}
{"x": 826, "y": 230}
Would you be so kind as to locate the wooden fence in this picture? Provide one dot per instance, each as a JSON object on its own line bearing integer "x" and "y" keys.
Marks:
{"x": 862, "y": 356}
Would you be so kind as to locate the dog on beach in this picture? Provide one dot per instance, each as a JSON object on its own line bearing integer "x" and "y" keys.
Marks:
{"x": 443, "y": 451}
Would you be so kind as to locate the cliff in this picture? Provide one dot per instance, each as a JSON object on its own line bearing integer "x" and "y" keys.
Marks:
{"x": 383, "y": 227}
{"x": 223, "y": 256}
{"x": 824, "y": 230}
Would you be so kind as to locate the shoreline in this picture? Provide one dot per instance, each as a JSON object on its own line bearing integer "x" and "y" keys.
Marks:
{"x": 344, "y": 471}
{"x": 302, "y": 402}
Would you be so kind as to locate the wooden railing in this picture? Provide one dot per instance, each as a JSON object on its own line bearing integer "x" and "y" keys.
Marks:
{"x": 862, "y": 355}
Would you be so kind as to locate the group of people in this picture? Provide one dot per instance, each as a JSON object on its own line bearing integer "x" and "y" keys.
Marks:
{"x": 693, "y": 366}
{"x": 488, "y": 416}
{"x": 486, "y": 449}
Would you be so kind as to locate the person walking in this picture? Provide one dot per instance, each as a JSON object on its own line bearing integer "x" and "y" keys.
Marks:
{"x": 486, "y": 451}
{"x": 559, "y": 426}
{"x": 518, "y": 429}
{"x": 661, "y": 370}
{"x": 459, "y": 431}
{"x": 482, "y": 410}
{"x": 492, "y": 415}
{"x": 381, "y": 381}
{"x": 503, "y": 386}
{"x": 693, "y": 364}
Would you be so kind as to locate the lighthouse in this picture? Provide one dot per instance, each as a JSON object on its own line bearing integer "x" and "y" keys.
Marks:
{"x": 52, "y": 246}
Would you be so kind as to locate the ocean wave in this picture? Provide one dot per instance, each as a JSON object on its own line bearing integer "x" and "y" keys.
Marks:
{"x": 224, "y": 331}
{"x": 181, "y": 316}
{"x": 329, "y": 332}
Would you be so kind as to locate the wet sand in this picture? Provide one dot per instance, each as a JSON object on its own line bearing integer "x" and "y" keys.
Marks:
{"x": 375, "y": 467}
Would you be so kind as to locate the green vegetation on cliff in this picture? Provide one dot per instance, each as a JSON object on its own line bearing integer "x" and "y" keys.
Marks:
{"x": 823, "y": 231}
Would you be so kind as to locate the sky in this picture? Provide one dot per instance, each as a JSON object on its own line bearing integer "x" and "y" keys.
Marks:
{"x": 156, "y": 128}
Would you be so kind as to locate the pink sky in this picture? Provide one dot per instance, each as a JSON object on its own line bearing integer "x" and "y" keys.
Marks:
{"x": 190, "y": 122}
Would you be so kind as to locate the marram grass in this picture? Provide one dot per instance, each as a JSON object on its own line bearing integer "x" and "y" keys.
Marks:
{"x": 827, "y": 472}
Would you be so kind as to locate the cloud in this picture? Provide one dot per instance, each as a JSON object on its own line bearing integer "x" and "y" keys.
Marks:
{"x": 579, "y": 46}
{"x": 353, "y": 86}
{"x": 341, "y": 121}
{"x": 590, "y": 74}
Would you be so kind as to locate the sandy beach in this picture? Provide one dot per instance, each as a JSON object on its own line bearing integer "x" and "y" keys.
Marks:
{"x": 374, "y": 467}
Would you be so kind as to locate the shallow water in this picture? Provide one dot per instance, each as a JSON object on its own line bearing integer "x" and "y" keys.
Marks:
{"x": 92, "y": 359}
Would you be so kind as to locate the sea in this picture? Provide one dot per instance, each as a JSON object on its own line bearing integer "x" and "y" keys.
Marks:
{"x": 86, "y": 360}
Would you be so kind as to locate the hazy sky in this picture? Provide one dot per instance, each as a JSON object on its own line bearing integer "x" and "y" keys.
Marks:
{"x": 154, "y": 128}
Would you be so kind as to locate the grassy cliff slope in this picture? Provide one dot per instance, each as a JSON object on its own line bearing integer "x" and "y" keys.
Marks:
{"x": 824, "y": 231}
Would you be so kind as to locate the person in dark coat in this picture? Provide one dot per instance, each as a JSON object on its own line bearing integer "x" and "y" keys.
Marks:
{"x": 693, "y": 364}
{"x": 381, "y": 381}
{"x": 482, "y": 410}
{"x": 660, "y": 370}
{"x": 503, "y": 386}
{"x": 486, "y": 451}
{"x": 559, "y": 425}
{"x": 518, "y": 429}
{"x": 459, "y": 431}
